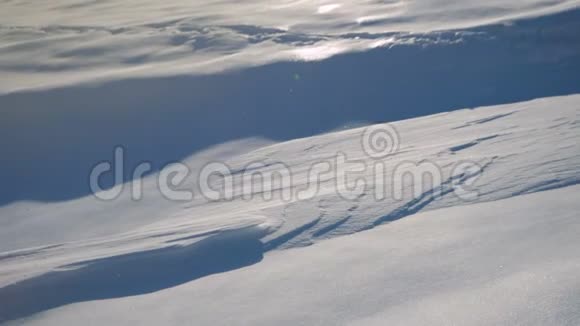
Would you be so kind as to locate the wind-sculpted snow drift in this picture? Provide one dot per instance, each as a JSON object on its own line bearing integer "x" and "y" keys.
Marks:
{"x": 161, "y": 120}
{"x": 507, "y": 262}
{"x": 521, "y": 148}
{"x": 479, "y": 96}
{"x": 69, "y": 41}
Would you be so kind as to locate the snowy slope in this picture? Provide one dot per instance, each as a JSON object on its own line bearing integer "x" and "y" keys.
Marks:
{"x": 461, "y": 210}
{"x": 64, "y": 42}
{"x": 508, "y": 262}
{"x": 519, "y": 149}
{"x": 161, "y": 120}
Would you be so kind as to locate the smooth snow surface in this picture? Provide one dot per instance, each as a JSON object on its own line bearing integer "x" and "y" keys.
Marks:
{"x": 508, "y": 262}
{"x": 56, "y": 254}
{"x": 54, "y": 43}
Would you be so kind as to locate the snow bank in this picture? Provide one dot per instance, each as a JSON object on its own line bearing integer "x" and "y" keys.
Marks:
{"x": 512, "y": 261}
{"x": 161, "y": 120}
{"x": 521, "y": 148}
{"x": 64, "y": 42}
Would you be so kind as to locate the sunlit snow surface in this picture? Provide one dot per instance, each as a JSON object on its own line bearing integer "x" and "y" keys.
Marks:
{"x": 508, "y": 262}
{"x": 52, "y": 43}
{"x": 126, "y": 248}
{"x": 85, "y": 76}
